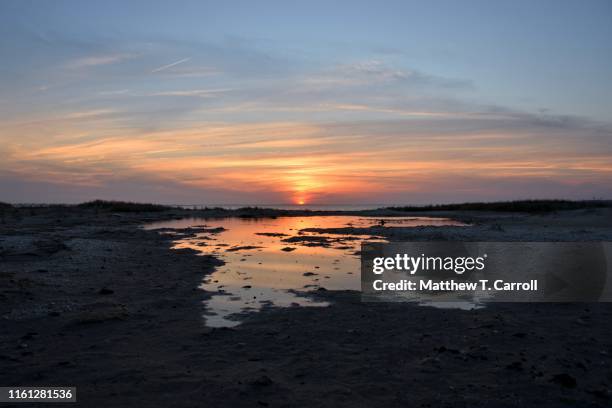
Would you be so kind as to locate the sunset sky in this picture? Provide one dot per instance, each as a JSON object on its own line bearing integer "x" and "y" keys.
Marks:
{"x": 384, "y": 102}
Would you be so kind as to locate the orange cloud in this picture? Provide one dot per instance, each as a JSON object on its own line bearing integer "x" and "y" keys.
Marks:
{"x": 302, "y": 161}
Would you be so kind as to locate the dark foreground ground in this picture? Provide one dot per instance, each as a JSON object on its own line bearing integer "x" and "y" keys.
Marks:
{"x": 89, "y": 299}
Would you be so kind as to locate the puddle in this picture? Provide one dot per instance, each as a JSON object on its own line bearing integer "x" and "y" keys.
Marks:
{"x": 268, "y": 260}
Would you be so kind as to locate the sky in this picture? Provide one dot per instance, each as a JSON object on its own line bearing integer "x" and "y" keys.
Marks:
{"x": 318, "y": 102}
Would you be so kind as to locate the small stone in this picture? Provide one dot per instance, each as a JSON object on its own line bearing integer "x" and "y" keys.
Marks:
{"x": 515, "y": 365}
{"x": 262, "y": 381}
{"x": 600, "y": 393}
{"x": 564, "y": 380}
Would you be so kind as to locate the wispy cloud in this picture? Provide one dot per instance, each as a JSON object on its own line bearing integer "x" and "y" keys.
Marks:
{"x": 95, "y": 60}
{"x": 195, "y": 72}
{"x": 202, "y": 93}
{"x": 94, "y": 113}
{"x": 114, "y": 92}
{"x": 376, "y": 72}
{"x": 404, "y": 112}
{"x": 175, "y": 63}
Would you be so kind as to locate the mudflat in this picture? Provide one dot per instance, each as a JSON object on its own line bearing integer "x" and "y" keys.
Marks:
{"x": 90, "y": 299}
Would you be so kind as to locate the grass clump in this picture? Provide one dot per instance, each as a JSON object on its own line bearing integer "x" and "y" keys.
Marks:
{"x": 123, "y": 206}
{"x": 529, "y": 206}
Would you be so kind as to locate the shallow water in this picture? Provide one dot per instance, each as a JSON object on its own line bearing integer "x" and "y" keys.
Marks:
{"x": 264, "y": 270}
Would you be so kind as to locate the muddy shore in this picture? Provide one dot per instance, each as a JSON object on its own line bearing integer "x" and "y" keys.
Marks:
{"x": 89, "y": 299}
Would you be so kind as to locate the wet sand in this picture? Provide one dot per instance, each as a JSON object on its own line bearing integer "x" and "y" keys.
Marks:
{"x": 89, "y": 299}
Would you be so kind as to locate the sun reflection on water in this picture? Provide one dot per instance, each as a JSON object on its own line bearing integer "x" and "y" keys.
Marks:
{"x": 273, "y": 261}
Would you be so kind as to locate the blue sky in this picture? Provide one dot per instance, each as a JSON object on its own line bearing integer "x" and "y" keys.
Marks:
{"x": 129, "y": 99}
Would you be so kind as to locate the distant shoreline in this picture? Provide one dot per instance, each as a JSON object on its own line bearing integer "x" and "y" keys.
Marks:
{"x": 528, "y": 206}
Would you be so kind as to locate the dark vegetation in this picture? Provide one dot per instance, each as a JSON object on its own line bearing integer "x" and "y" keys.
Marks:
{"x": 4, "y": 209}
{"x": 124, "y": 206}
{"x": 523, "y": 206}
{"x": 529, "y": 206}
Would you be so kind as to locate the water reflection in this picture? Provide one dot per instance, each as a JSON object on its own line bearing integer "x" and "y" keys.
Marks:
{"x": 269, "y": 261}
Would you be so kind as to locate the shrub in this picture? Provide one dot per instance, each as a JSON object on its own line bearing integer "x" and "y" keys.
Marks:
{"x": 529, "y": 206}
{"x": 124, "y": 206}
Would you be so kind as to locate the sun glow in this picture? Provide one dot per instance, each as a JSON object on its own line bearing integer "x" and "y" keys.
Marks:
{"x": 267, "y": 162}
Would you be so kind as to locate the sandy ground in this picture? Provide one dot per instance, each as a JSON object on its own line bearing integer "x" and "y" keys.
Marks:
{"x": 89, "y": 299}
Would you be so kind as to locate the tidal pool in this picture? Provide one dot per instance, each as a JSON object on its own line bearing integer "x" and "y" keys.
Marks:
{"x": 269, "y": 261}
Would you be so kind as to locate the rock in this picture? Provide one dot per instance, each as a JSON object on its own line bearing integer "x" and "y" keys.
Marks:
{"x": 515, "y": 365}
{"x": 443, "y": 349}
{"x": 242, "y": 248}
{"x": 262, "y": 381}
{"x": 288, "y": 249}
{"x": 271, "y": 234}
{"x": 600, "y": 393}
{"x": 29, "y": 336}
{"x": 564, "y": 380}
{"x": 309, "y": 274}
